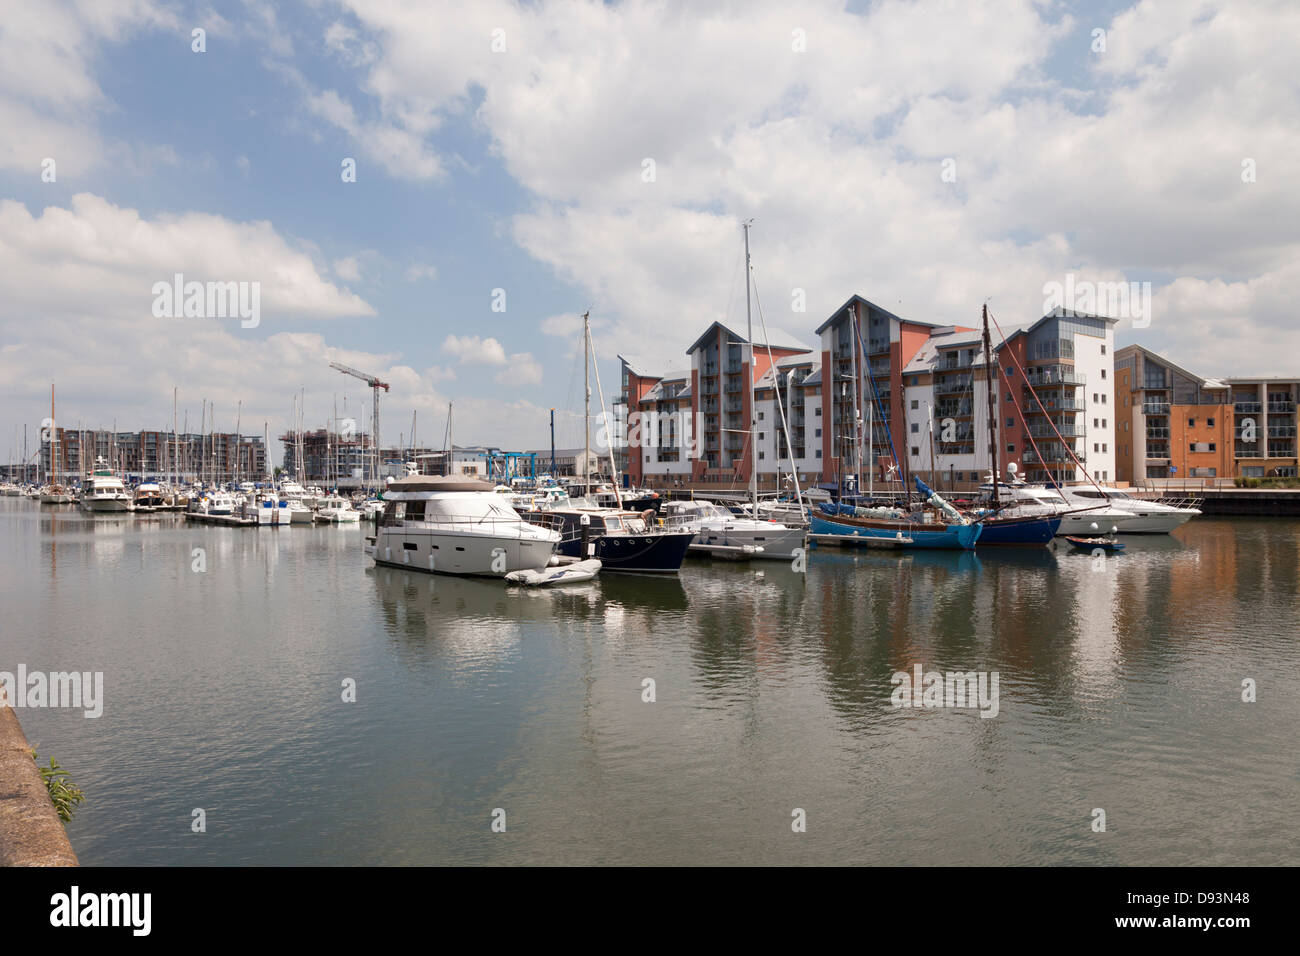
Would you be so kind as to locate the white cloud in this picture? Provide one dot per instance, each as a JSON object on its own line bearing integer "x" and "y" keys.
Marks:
{"x": 523, "y": 370}
{"x": 472, "y": 350}
{"x": 836, "y": 153}
{"x": 49, "y": 99}
{"x": 417, "y": 272}
{"x": 348, "y": 269}
{"x": 96, "y": 258}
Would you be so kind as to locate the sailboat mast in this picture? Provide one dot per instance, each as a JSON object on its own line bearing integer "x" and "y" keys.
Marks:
{"x": 857, "y": 392}
{"x": 753, "y": 414}
{"x": 988, "y": 374}
{"x": 586, "y": 408}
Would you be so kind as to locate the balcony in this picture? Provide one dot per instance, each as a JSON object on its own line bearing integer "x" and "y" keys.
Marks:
{"x": 1281, "y": 408}
{"x": 953, "y": 385}
{"x": 1241, "y": 452}
{"x": 1158, "y": 433}
{"x": 1054, "y": 375}
{"x": 1065, "y": 431}
{"x": 877, "y": 345}
{"x": 1046, "y": 454}
{"x": 1281, "y": 449}
{"x": 879, "y": 369}
{"x": 1054, "y": 405}
{"x": 1155, "y": 408}
{"x": 1248, "y": 408}
{"x": 1158, "y": 451}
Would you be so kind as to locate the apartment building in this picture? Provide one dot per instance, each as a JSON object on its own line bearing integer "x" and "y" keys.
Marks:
{"x": 863, "y": 403}
{"x": 1177, "y": 424}
{"x": 1053, "y": 417}
{"x": 73, "y": 453}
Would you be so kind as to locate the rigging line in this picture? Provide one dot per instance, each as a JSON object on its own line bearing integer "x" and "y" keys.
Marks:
{"x": 1034, "y": 392}
{"x": 780, "y": 406}
{"x": 613, "y": 468}
{"x": 875, "y": 392}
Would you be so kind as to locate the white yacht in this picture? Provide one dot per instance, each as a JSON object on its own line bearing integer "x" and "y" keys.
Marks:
{"x": 715, "y": 526}
{"x": 1085, "y": 509}
{"x": 56, "y": 495}
{"x": 453, "y": 525}
{"x": 335, "y": 509}
{"x": 103, "y": 491}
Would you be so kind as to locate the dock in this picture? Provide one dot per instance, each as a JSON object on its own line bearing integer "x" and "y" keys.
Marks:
{"x": 858, "y": 541}
{"x": 236, "y": 521}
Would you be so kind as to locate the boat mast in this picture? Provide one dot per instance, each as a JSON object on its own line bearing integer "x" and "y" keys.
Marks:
{"x": 586, "y": 408}
{"x": 856, "y": 343}
{"x": 988, "y": 376}
{"x": 753, "y": 414}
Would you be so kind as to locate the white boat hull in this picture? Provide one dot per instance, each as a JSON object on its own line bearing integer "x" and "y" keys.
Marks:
{"x": 105, "y": 505}
{"x": 1123, "y": 522}
{"x": 777, "y": 544}
{"x": 450, "y": 552}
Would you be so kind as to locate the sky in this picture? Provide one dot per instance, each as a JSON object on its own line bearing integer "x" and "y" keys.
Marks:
{"x": 519, "y": 164}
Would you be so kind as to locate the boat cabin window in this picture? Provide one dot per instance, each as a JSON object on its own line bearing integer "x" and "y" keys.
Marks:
{"x": 414, "y": 510}
{"x": 394, "y": 512}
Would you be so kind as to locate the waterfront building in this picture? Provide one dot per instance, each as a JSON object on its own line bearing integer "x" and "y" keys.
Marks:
{"x": 156, "y": 454}
{"x": 1177, "y": 424}
{"x": 902, "y": 372}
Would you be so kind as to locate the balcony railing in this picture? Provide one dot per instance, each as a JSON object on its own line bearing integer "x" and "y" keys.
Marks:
{"x": 877, "y": 345}
{"x": 949, "y": 386}
{"x": 1054, "y": 405}
{"x": 1280, "y": 408}
{"x": 1065, "y": 431}
{"x": 1240, "y": 452}
{"x": 1046, "y": 454}
{"x": 1248, "y": 408}
{"x": 1158, "y": 451}
{"x": 1155, "y": 408}
{"x": 1281, "y": 449}
{"x": 1054, "y": 375}
{"x": 1158, "y": 433}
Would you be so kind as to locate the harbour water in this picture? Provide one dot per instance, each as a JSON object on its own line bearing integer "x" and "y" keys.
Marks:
{"x": 225, "y": 651}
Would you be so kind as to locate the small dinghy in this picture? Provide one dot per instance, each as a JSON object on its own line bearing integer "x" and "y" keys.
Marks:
{"x": 560, "y": 574}
{"x": 1087, "y": 544}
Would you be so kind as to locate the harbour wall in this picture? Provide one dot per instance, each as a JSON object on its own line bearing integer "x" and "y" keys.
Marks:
{"x": 31, "y": 833}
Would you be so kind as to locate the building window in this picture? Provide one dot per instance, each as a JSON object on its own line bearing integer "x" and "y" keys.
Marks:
{"x": 1103, "y": 350}
{"x": 1103, "y": 448}
{"x": 1103, "y": 398}
{"x": 915, "y": 404}
{"x": 1095, "y": 422}
{"x": 1210, "y": 422}
{"x": 818, "y": 433}
{"x": 1011, "y": 423}
{"x": 1211, "y": 446}
{"x": 760, "y": 418}
{"x": 761, "y": 455}
{"x": 819, "y": 453}
{"x": 1096, "y": 446}
{"x": 1103, "y": 373}
{"x": 916, "y": 452}
{"x": 1011, "y": 447}
{"x": 1191, "y": 422}
{"x": 817, "y": 412}
{"x": 1009, "y": 396}
{"x": 761, "y": 436}
{"x": 1103, "y": 423}
{"x": 915, "y": 428}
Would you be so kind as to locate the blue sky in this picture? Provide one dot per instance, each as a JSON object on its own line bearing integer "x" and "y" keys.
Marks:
{"x": 521, "y": 168}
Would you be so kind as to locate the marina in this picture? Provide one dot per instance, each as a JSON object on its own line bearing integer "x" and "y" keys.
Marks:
{"x": 1120, "y": 687}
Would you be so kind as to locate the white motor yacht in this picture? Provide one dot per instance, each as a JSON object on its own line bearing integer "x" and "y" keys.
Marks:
{"x": 453, "y": 525}
{"x": 715, "y": 526}
{"x": 335, "y": 509}
{"x": 102, "y": 491}
{"x": 1086, "y": 508}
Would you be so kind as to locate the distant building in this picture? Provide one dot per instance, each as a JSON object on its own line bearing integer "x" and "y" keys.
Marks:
{"x": 222, "y": 456}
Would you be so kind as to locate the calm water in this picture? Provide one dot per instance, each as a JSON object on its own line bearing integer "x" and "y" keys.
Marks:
{"x": 1120, "y": 689}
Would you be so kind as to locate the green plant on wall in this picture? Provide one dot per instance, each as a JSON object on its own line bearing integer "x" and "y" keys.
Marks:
{"x": 64, "y": 794}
